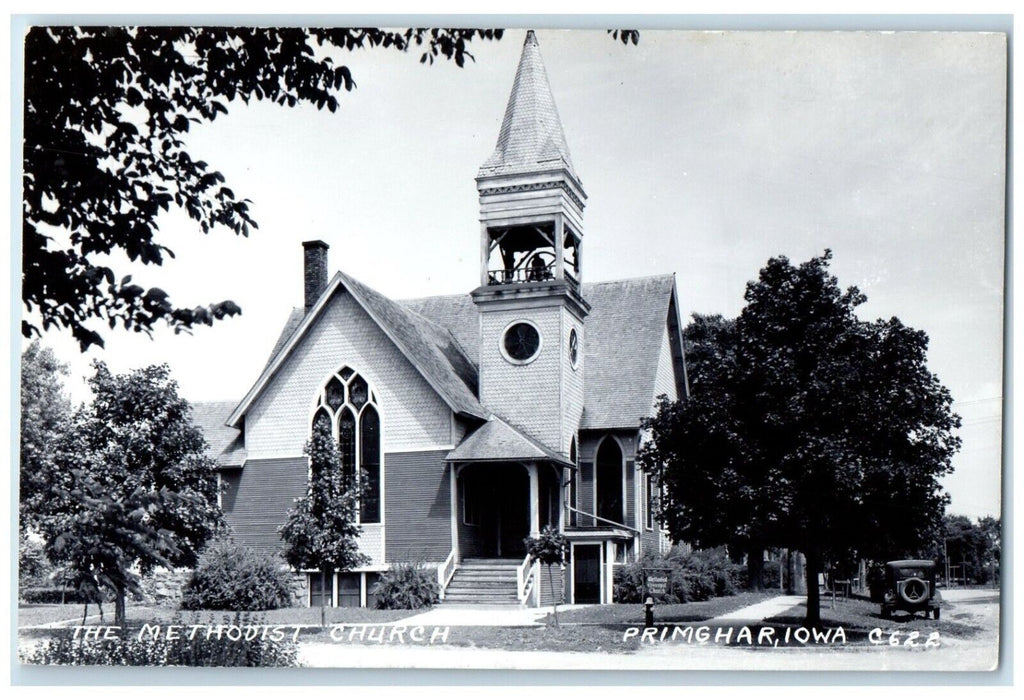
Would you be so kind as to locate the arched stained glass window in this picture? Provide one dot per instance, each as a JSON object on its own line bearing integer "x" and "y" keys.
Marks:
{"x": 369, "y": 442}
{"x": 348, "y": 406}
{"x": 347, "y": 441}
{"x": 335, "y": 393}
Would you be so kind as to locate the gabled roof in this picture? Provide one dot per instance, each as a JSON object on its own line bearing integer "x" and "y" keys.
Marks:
{"x": 531, "y": 137}
{"x": 224, "y": 444}
{"x": 497, "y": 441}
{"x": 430, "y": 348}
{"x": 624, "y": 333}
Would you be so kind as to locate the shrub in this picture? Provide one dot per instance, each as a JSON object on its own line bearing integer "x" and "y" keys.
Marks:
{"x": 406, "y": 587}
{"x": 160, "y": 651}
{"x": 692, "y": 576}
{"x": 233, "y": 577}
{"x": 53, "y": 594}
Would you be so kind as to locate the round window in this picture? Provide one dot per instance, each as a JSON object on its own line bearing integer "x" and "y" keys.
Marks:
{"x": 574, "y": 348}
{"x": 521, "y": 342}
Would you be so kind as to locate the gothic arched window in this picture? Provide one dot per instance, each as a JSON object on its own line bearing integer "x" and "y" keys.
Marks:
{"x": 348, "y": 405}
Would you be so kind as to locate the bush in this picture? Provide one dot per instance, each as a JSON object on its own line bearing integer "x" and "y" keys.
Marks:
{"x": 233, "y": 577}
{"x": 50, "y": 594}
{"x": 198, "y": 651}
{"x": 692, "y": 576}
{"x": 406, "y": 587}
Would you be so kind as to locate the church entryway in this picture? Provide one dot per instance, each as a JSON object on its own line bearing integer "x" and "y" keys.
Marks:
{"x": 496, "y": 511}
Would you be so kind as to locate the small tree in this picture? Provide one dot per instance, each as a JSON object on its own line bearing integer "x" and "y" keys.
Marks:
{"x": 549, "y": 549}
{"x": 45, "y": 415}
{"x": 321, "y": 532}
{"x": 134, "y": 488}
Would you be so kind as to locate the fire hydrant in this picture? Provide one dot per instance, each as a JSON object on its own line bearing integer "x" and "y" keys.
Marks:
{"x": 649, "y": 612}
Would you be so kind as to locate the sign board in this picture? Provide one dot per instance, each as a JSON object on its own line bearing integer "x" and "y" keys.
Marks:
{"x": 657, "y": 584}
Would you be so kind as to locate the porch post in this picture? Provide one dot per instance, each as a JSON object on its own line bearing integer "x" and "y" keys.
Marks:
{"x": 531, "y": 469}
{"x": 453, "y": 480}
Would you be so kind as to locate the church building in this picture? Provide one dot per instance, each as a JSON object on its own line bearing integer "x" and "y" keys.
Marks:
{"x": 478, "y": 419}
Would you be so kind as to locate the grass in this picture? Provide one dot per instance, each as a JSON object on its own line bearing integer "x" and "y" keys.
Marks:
{"x": 633, "y": 613}
{"x": 858, "y": 617}
{"x": 31, "y": 615}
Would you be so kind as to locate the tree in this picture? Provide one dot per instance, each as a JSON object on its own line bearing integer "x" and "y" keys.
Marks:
{"x": 133, "y": 489}
{"x": 321, "y": 532}
{"x": 45, "y": 414}
{"x": 818, "y": 432}
{"x": 730, "y": 502}
{"x": 549, "y": 549}
{"x": 973, "y": 546}
{"x": 106, "y": 113}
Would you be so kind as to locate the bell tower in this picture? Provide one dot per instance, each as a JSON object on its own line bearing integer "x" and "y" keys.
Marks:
{"x": 530, "y": 298}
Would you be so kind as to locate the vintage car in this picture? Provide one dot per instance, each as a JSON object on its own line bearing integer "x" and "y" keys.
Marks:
{"x": 910, "y": 586}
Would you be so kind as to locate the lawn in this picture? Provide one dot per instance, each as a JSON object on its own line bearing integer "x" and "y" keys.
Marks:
{"x": 633, "y": 613}
{"x": 31, "y": 615}
{"x": 858, "y": 617}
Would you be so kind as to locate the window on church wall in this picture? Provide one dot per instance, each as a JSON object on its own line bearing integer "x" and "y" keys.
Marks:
{"x": 573, "y": 501}
{"x": 348, "y": 406}
{"x": 649, "y": 489}
{"x": 347, "y": 442}
{"x": 369, "y": 440}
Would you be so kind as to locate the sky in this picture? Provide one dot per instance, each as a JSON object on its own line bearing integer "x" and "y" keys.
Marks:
{"x": 702, "y": 154}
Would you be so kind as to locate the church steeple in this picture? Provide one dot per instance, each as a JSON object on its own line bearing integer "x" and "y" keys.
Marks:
{"x": 532, "y": 310}
{"x": 531, "y": 199}
{"x": 531, "y": 137}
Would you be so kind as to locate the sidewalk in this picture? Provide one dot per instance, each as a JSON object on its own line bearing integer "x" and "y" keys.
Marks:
{"x": 760, "y": 611}
{"x": 483, "y": 616}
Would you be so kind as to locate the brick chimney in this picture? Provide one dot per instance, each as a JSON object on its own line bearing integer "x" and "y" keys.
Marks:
{"x": 315, "y": 271}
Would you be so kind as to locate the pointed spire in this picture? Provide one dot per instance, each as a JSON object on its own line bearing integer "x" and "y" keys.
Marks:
{"x": 531, "y": 137}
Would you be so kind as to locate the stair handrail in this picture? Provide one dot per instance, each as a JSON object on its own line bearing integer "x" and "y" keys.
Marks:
{"x": 604, "y": 520}
{"x": 522, "y": 578}
{"x": 445, "y": 572}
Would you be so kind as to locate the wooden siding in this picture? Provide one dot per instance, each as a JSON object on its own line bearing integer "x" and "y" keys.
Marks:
{"x": 257, "y": 499}
{"x": 556, "y": 578}
{"x": 418, "y": 507}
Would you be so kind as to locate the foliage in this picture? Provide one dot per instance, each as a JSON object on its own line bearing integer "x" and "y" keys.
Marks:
{"x": 33, "y": 567}
{"x": 975, "y": 546}
{"x": 234, "y": 577}
{"x": 134, "y": 488}
{"x": 321, "y": 531}
{"x": 107, "y": 111}
{"x": 806, "y": 428}
{"x": 549, "y": 547}
{"x": 51, "y": 595}
{"x": 692, "y": 576}
{"x": 45, "y": 414}
{"x": 262, "y": 651}
{"x": 406, "y": 586}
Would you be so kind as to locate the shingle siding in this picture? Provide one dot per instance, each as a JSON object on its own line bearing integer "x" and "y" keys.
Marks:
{"x": 412, "y": 414}
{"x": 665, "y": 379}
{"x": 527, "y": 396}
{"x": 418, "y": 507}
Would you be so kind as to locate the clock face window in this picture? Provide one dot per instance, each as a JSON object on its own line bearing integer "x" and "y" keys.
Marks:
{"x": 521, "y": 342}
{"x": 574, "y": 348}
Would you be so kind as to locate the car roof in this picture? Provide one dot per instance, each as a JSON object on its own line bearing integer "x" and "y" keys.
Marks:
{"x": 911, "y": 562}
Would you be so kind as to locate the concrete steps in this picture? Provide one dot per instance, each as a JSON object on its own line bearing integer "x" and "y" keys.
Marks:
{"x": 484, "y": 582}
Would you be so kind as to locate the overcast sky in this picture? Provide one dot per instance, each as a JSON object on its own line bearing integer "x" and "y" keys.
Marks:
{"x": 703, "y": 154}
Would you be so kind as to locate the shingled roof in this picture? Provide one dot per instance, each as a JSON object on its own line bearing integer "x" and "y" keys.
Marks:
{"x": 497, "y": 441}
{"x": 531, "y": 136}
{"x": 623, "y": 338}
{"x": 224, "y": 444}
{"x": 431, "y": 349}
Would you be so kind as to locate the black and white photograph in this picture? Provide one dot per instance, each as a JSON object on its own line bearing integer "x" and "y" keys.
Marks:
{"x": 527, "y": 348}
